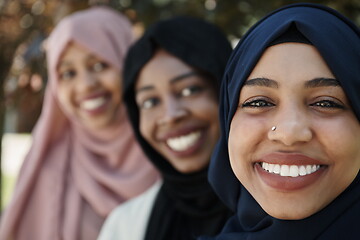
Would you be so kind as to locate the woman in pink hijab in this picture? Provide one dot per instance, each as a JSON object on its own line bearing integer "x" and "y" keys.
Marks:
{"x": 84, "y": 159}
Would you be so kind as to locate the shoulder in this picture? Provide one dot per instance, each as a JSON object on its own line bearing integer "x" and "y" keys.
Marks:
{"x": 129, "y": 220}
{"x": 134, "y": 205}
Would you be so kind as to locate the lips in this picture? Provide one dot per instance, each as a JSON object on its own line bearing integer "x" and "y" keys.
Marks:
{"x": 289, "y": 171}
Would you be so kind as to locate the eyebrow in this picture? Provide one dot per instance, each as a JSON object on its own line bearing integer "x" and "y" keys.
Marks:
{"x": 182, "y": 76}
{"x": 90, "y": 57}
{"x": 313, "y": 83}
{"x": 63, "y": 64}
{"x": 173, "y": 80}
{"x": 322, "y": 82}
{"x": 262, "y": 82}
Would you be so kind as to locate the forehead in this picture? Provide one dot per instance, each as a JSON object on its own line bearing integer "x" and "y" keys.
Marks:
{"x": 73, "y": 53}
{"x": 290, "y": 60}
{"x": 161, "y": 68}
{"x": 73, "y": 49}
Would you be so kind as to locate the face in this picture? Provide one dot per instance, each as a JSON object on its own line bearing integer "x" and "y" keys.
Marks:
{"x": 178, "y": 112}
{"x": 89, "y": 87}
{"x": 313, "y": 154}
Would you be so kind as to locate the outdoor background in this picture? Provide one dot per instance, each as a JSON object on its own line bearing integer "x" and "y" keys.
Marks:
{"x": 25, "y": 24}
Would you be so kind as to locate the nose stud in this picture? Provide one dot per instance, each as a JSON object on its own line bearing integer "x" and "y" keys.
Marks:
{"x": 273, "y": 128}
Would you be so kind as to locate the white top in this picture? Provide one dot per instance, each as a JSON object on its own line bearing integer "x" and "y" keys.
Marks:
{"x": 129, "y": 220}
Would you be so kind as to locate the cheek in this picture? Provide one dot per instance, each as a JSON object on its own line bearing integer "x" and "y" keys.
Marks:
{"x": 64, "y": 97}
{"x": 205, "y": 108}
{"x": 113, "y": 83}
{"x": 146, "y": 125}
{"x": 235, "y": 159}
{"x": 212, "y": 115}
{"x": 346, "y": 146}
{"x": 340, "y": 142}
{"x": 245, "y": 139}
{"x": 237, "y": 147}
{"x": 342, "y": 147}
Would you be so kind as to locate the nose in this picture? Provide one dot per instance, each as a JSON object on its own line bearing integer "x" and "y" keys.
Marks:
{"x": 291, "y": 126}
{"x": 87, "y": 81}
{"x": 173, "y": 111}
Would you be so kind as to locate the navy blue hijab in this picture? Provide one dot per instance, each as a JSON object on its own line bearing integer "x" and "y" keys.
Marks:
{"x": 338, "y": 41}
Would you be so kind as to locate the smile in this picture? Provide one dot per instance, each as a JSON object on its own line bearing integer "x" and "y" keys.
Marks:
{"x": 184, "y": 142}
{"x": 92, "y": 104}
{"x": 289, "y": 170}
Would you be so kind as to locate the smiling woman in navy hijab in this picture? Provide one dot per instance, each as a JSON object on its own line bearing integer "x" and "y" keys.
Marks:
{"x": 289, "y": 156}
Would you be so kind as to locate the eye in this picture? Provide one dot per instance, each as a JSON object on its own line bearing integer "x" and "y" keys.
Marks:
{"x": 328, "y": 104}
{"x": 99, "y": 66}
{"x": 257, "y": 103}
{"x": 67, "y": 74}
{"x": 188, "y": 91}
{"x": 149, "y": 103}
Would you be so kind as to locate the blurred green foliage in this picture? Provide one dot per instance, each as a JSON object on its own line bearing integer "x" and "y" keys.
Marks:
{"x": 233, "y": 16}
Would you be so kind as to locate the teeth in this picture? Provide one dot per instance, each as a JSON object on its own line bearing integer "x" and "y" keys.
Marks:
{"x": 290, "y": 170}
{"x": 92, "y": 104}
{"x": 183, "y": 142}
{"x": 276, "y": 169}
{"x": 302, "y": 171}
{"x": 284, "y": 170}
{"x": 294, "y": 171}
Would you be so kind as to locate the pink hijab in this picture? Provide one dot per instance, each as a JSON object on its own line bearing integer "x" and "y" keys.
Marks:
{"x": 72, "y": 178}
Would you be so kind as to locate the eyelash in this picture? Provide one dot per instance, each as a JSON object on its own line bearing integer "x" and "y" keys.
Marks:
{"x": 150, "y": 101}
{"x": 263, "y": 103}
{"x": 191, "y": 90}
{"x": 66, "y": 75}
{"x": 185, "y": 92}
{"x": 257, "y": 103}
{"x": 71, "y": 73}
{"x": 100, "y": 64}
{"x": 328, "y": 104}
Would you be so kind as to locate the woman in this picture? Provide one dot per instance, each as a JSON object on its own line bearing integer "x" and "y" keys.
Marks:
{"x": 171, "y": 79}
{"x": 289, "y": 156}
{"x": 84, "y": 160}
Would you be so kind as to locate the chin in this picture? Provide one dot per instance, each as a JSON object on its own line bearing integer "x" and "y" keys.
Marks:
{"x": 186, "y": 169}
{"x": 290, "y": 215}
{"x": 101, "y": 124}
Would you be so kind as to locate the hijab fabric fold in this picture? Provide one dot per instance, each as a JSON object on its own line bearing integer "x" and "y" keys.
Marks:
{"x": 338, "y": 41}
{"x": 73, "y": 177}
{"x": 186, "y": 205}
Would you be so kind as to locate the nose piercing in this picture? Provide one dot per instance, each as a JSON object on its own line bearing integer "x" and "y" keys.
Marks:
{"x": 273, "y": 128}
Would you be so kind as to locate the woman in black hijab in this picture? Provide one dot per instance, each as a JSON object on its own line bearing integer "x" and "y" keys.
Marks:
{"x": 288, "y": 158}
{"x": 172, "y": 76}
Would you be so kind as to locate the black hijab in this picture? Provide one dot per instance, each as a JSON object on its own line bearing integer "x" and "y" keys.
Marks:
{"x": 338, "y": 41}
{"x": 186, "y": 205}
